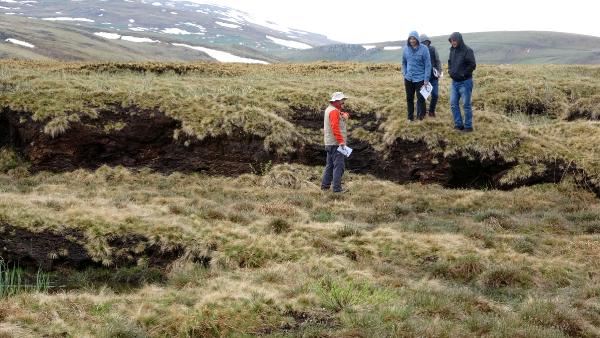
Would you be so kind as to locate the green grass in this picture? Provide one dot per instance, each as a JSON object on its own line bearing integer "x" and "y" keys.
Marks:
{"x": 277, "y": 270}
{"x": 13, "y": 281}
{"x": 269, "y": 253}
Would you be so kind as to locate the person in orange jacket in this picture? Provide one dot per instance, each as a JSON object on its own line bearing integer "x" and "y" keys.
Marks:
{"x": 335, "y": 135}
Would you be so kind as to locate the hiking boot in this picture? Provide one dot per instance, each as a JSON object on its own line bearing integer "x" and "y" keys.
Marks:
{"x": 467, "y": 130}
{"x": 431, "y": 114}
{"x": 461, "y": 128}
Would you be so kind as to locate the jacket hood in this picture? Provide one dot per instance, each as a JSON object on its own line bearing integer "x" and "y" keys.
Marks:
{"x": 424, "y": 38}
{"x": 456, "y": 36}
{"x": 413, "y": 34}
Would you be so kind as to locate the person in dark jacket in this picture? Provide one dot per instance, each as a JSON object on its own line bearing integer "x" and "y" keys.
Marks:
{"x": 416, "y": 68}
{"x": 461, "y": 65}
{"x": 436, "y": 72}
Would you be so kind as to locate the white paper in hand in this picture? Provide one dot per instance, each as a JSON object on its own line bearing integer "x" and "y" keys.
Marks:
{"x": 346, "y": 150}
{"x": 426, "y": 90}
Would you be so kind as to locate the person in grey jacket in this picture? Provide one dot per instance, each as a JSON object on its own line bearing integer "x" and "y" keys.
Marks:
{"x": 436, "y": 72}
{"x": 461, "y": 65}
{"x": 416, "y": 68}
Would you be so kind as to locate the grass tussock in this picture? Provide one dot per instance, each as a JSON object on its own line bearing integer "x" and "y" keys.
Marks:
{"x": 268, "y": 253}
{"x": 534, "y": 115}
{"x": 12, "y": 164}
{"x": 296, "y": 261}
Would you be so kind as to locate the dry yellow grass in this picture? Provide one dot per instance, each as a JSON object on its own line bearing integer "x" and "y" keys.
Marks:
{"x": 282, "y": 258}
{"x": 522, "y": 113}
{"x": 382, "y": 260}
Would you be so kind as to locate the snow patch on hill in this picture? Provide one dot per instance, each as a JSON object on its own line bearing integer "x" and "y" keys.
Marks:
{"x": 68, "y": 19}
{"x": 106, "y": 35}
{"x": 289, "y": 43}
{"x": 20, "y": 43}
{"x": 139, "y": 29}
{"x": 220, "y": 55}
{"x": 228, "y": 25}
{"x": 199, "y": 27}
{"x": 136, "y": 39}
{"x": 177, "y": 31}
{"x": 113, "y": 36}
{"x": 239, "y": 17}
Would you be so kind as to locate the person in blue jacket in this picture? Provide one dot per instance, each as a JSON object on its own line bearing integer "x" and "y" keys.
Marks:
{"x": 416, "y": 68}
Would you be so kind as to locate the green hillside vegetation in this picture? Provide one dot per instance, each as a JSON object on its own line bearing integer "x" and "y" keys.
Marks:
{"x": 341, "y": 52}
{"x": 64, "y": 41}
{"x": 155, "y": 16}
{"x": 69, "y": 42}
{"x": 59, "y": 41}
{"x": 521, "y": 47}
{"x": 269, "y": 253}
{"x": 529, "y": 47}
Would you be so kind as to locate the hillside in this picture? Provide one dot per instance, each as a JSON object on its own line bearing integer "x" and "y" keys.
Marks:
{"x": 139, "y": 30}
{"x": 489, "y": 47}
{"x": 182, "y": 199}
{"x": 53, "y": 41}
{"x": 91, "y": 30}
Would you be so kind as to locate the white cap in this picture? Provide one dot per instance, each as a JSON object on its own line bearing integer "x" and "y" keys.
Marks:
{"x": 337, "y": 96}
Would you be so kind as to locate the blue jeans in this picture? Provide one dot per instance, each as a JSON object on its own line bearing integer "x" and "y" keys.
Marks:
{"x": 334, "y": 169}
{"x": 434, "y": 94}
{"x": 462, "y": 89}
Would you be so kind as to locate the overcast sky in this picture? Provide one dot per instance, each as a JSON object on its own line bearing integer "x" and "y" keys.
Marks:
{"x": 384, "y": 20}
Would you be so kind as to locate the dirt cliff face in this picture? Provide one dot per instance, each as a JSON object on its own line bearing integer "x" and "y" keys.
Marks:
{"x": 134, "y": 139}
{"x": 66, "y": 248}
{"x": 138, "y": 138}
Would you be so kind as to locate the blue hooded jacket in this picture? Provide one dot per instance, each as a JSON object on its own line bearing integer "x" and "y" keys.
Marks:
{"x": 416, "y": 62}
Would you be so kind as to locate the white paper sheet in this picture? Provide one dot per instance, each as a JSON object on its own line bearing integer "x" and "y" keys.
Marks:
{"x": 426, "y": 90}
{"x": 346, "y": 150}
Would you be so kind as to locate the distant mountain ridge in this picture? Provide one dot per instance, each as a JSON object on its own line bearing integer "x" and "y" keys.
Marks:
{"x": 138, "y": 30}
{"x": 520, "y": 47}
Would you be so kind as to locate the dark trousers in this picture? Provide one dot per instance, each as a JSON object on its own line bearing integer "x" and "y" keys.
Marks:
{"x": 334, "y": 169}
{"x": 434, "y": 94}
{"x": 411, "y": 89}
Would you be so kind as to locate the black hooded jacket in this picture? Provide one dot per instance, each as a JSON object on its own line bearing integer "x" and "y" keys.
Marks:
{"x": 461, "y": 62}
